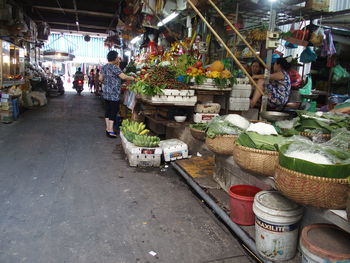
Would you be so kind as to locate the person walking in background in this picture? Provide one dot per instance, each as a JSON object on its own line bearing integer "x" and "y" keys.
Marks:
{"x": 91, "y": 79}
{"x": 112, "y": 77}
{"x": 97, "y": 82}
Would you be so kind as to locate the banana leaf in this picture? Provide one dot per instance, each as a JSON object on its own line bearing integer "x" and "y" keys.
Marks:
{"x": 310, "y": 168}
{"x": 258, "y": 141}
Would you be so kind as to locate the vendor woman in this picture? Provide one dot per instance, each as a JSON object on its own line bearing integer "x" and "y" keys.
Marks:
{"x": 278, "y": 88}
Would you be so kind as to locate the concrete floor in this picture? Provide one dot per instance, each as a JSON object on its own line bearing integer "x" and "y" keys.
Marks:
{"x": 68, "y": 195}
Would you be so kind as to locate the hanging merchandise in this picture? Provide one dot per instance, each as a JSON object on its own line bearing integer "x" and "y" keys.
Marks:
{"x": 297, "y": 36}
{"x": 306, "y": 90}
{"x": 290, "y": 45}
{"x": 301, "y": 33}
{"x": 308, "y": 55}
{"x": 152, "y": 49}
{"x": 339, "y": 73}
{"x": 295, "y": 78}
{"x": 328, "y": 47}
{"x": 317, "y": 37}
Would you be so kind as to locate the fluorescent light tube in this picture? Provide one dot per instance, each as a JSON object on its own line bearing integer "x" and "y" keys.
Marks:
{"x": 168, "y": 18}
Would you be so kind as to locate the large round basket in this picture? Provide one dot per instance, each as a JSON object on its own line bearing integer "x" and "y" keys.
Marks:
{"x": 223, "y": 144}
{"x": 318, "y": 137}
{"x": 198, "y": 134}
{"x": 311, "y": 190}
{"x": 256, "y": 161}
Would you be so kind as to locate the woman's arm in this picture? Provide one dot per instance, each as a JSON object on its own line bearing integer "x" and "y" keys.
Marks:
{"x": 125, "y": 77}
{"x": 273, "y": 76}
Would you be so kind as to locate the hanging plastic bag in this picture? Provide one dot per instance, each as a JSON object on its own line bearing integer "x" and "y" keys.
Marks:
{"x": 328, "y": 47}
{"x": 317, "y": 37}
{"x": 290, "y": 45}
{"x": 295, "y": 78}
{"x": 339, "y": 73}
{"x": 308, "y": 55}
{"x": 306, "y": 90}
{"x": 301, "y": 33}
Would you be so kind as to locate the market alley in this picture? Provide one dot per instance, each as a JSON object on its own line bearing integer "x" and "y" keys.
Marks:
{"x": 68, "y": 195}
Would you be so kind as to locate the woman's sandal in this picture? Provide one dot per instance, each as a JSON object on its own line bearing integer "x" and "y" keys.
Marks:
{"x": 111, "y": 134}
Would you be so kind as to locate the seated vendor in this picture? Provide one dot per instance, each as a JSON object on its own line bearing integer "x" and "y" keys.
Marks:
{"x": 279, "y": 86}
{"x": 256, "y": 68}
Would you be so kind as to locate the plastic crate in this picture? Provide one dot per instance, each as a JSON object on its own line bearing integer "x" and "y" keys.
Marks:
{"x": 174, "y": 149}
{"x": 241, "y": 91}
{"x": 176, "y": 100}
{"x": 239, "y": 104}
{"x": 176, "y": 92}
{"x": 204, "y": 117}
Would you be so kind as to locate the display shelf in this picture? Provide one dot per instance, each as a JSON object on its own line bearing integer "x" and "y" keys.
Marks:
{"x": 10, "y": 83}
{"x": 148, "y": 101}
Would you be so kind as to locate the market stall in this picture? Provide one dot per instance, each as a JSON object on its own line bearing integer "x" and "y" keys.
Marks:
{"x": 197, "y": 90}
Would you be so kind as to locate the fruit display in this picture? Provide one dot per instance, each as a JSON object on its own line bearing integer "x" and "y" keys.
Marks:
{"x": 146, "y": 141}
{"x": 257, "y": 34}
{"x": 132, "y": 128}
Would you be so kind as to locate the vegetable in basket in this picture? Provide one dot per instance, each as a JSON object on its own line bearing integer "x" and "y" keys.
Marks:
{"x": 219, "y": 126}
{"x": 261, "y": 142}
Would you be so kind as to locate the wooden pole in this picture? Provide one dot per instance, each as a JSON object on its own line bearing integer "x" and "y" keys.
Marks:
{"x": 226, "y": 47}
{"x": 238, "y": 34}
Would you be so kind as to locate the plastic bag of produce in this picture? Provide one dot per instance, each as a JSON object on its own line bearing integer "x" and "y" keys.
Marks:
{"x": 221, "y": 126}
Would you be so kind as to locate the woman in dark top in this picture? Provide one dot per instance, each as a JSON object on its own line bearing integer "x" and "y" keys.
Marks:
{"x": 111, "y": 77}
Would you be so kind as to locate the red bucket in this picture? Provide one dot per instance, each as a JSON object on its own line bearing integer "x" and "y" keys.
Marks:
{"x": 241, "y": 204}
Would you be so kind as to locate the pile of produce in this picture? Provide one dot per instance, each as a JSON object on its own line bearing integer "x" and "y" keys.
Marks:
{"x": 317, "y": 159}
{"x": 146, "y": 141}
{"x": 135, "y": 132}
{"x": 199, "y": 126}
{"x": 132, "y": 128}
{"x": 154, "y": 80}
{"x": 258, "y": 141}
{"x": 222, "y": 73}
{"x": 231, "y": 124}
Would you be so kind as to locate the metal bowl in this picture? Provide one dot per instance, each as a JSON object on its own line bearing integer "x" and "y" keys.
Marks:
{"x": 274, "y": 115}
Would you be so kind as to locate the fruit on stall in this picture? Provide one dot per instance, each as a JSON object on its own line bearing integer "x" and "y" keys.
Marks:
{"x": 217, "y": 66}
{"x": 146, "y": 141}
{"x": 134, "y": 126}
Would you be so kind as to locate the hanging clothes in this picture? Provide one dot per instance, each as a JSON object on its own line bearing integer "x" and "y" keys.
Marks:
{"x": 328, "y": 48}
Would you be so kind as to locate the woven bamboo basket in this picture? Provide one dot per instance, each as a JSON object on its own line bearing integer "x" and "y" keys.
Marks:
{"x": 256, "y": 161}
{"x": 198, "y": 134}
{"x": 320, "y": 137}
{"x": 330, "y": 193}
{"x": 223, "y": 144}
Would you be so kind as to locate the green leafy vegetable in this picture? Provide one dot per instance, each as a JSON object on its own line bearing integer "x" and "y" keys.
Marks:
{"x": 260, "y": 142}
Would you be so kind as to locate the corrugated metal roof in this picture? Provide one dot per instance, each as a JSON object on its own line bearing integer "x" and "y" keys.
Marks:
{"x": 77, "y": 46}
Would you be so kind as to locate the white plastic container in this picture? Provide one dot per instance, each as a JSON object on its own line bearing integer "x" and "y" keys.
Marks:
{"x": 141, "y": 156}
{"x": 276, "y": 225}
{"x": 242, "y": 81}
{"x": 241, "y": 91}
{"x": 207, "y": 108}
{"x": 176, "y": 92}
{"x": 324, "y": 243}
{"x": 174, "y": 149}
{"x": 239, "y": 104}
{"x": 204, "y": 117}
{"x": 173, "y": 99}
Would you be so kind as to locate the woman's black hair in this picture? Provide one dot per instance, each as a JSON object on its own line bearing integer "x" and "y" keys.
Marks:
{"x": 284, "y": 64}
{"x": 112, "y": 55}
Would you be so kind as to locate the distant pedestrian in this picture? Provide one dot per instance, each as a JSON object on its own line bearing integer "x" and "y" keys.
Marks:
{"x": 97, "y": 83}
{"x": 112, "y": 77}
{"x": 91, "y": 79}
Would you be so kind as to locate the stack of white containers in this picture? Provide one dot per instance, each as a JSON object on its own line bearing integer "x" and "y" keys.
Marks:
{"x": 206, "y": 112}
{"x": 239, "y": 100}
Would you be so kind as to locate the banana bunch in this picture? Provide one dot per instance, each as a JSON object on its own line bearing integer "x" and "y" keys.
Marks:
{"x": 146, "y": 141}
{"x": 134, "y": 127}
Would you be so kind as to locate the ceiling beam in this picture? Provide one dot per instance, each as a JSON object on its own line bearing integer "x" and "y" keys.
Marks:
{"x": 72, "y": 24}
{"x": 67, "y": 10}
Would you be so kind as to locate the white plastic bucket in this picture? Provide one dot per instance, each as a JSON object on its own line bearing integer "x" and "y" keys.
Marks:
{"x": 276, "y": 225}
{"x": 324, "y": 243}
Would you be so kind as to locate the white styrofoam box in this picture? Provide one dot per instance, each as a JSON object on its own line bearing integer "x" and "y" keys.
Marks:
{"x": 239, "y": 104}
{"x": 174, "y": 149}
{"x": 207, "y": 108}
{"x": 144, "y": 160}
{"x": 177, "y": 100}
{"x": 4, "y": 100}
{"x": 176, "y": 92}
{"x": 204, "y": 117}
{"x": 242, "y": 81}
{"x": 209, "y": 87}
{"x": 141, "y": 156}
{"x": 241, "y": 91}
